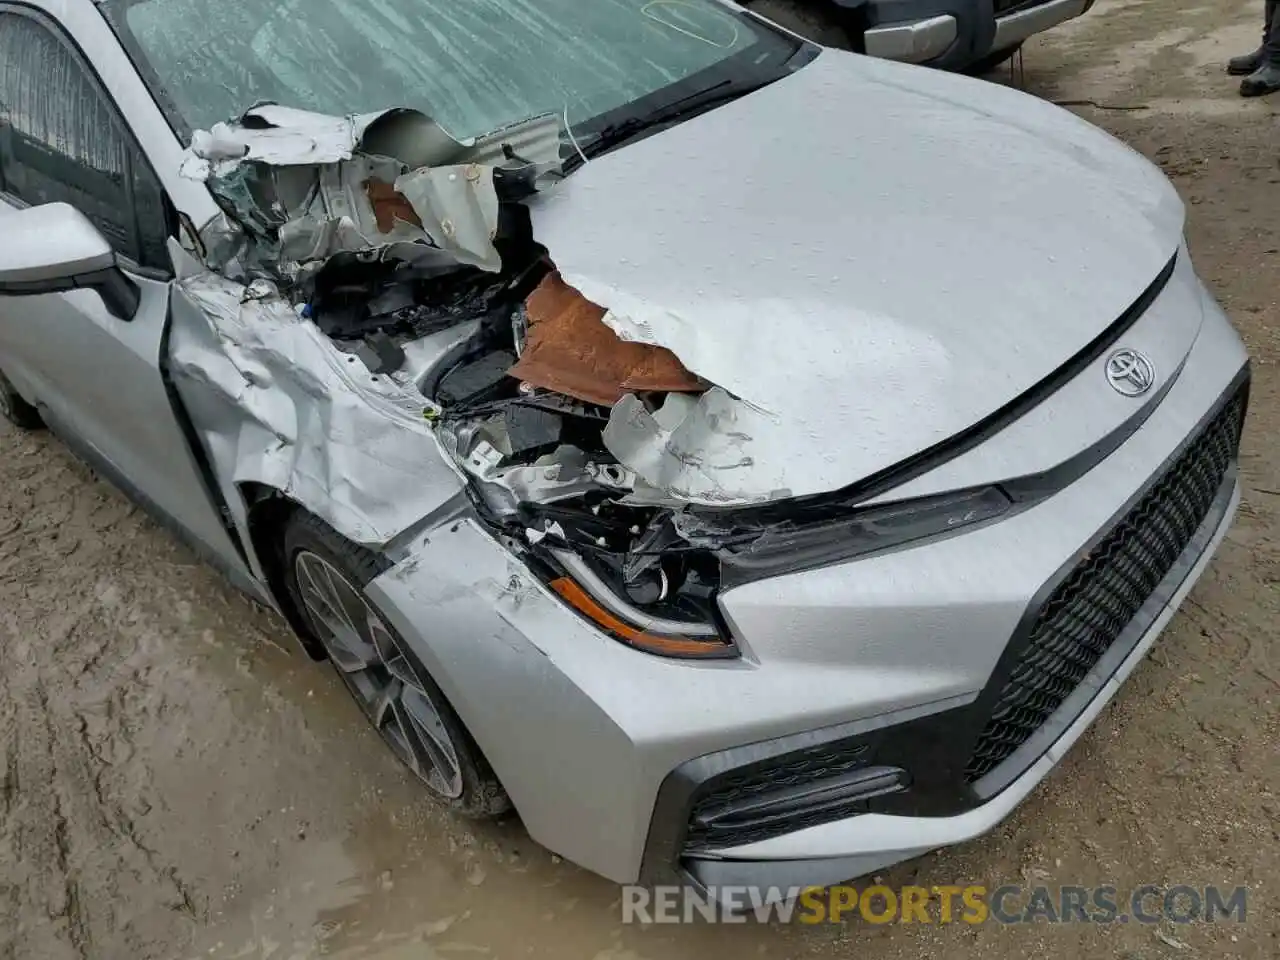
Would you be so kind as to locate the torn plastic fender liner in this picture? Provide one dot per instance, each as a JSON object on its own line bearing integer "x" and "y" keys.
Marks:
{"x": 281, "y": 406}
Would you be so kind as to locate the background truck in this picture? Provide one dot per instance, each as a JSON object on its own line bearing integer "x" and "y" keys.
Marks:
{"x": 967, "y": 35}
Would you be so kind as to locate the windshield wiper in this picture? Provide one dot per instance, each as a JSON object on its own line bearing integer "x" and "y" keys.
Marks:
{"x": 616, "y": 134}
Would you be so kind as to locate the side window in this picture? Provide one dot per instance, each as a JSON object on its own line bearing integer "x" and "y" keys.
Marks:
{"x": 61, "y": 139}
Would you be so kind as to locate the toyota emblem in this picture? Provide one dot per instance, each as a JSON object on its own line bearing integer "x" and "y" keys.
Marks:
{"x": 1130, "y": 373}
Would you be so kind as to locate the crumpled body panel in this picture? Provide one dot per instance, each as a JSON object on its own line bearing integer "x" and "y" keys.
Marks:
{"x": 282, "y": 406}
{"x": 302, "y": 187}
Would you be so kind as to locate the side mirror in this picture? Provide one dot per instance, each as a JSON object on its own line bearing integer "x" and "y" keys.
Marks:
{"x": 53, "y": 248}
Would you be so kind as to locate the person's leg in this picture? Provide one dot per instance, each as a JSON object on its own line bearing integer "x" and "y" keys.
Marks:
{"x": 1247, "y": 64}
{"x": 1271, "y": 42}
{"x": 1266, "y": 79}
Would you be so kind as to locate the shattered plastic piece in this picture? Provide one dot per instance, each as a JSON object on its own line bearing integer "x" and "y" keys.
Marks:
{"x": 352, "y": 296}
{"x": 696, "y": 448}
{"x": 218, "y": 145}
{"x": 569, "y": 350}
{"x": 392, "y": 300}
{"x": 474, "y": 380}
{"x": 381, "y": 354}
{"x": 528, "y": 428}
{"x": 516, "y": 432}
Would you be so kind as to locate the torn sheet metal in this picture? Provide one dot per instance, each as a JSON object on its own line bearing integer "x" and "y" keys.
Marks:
{"x": 458, "y": 209}
{"x": 563, "y": 474}
{"x": 302, "y": 187}
{"x": 274, "y": 135}
{"x": 571, "y": 350}
{"x": 280, "y": 405}
{"x": 698, "y": 449}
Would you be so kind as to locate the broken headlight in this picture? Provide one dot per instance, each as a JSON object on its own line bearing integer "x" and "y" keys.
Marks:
{"x": 635, "y": 579}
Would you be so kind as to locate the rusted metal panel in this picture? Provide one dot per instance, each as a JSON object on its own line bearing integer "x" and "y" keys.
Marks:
{"x": 571, "y": 351}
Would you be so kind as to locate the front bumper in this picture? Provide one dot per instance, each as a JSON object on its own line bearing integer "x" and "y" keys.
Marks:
{"x": 604, "y": 749}
{"x": 957, "y": 38}
{"x": 828, "y": 853}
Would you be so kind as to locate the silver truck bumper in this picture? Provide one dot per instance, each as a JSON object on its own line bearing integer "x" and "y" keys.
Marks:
{"x": 914, "y": 42}
{"x": 1016, "y": 27}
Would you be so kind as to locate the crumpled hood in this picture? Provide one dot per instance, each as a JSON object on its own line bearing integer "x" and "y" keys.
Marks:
{"x": 871, "y": 257}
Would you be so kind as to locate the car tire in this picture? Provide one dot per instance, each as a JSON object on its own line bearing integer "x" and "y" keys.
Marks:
{"x": 325, "y": 575}
{"x": 992, "y": 60}
{"x": 16, "y": 410}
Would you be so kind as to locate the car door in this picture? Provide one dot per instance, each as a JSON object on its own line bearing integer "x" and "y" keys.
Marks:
{"x": 95, "y": 373}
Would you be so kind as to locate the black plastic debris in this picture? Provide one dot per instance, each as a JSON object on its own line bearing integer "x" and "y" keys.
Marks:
{"x": 352, "y": 298}
{"x": 529, "y": 429}
{"x": 380, "y": 353}
{"x": 477, "y": 381}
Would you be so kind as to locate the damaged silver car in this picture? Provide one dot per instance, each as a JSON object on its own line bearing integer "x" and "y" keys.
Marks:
{"x": 750, "y": 461}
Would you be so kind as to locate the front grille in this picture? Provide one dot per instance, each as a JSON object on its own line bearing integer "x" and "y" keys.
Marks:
{"x": 1087, "y": 612}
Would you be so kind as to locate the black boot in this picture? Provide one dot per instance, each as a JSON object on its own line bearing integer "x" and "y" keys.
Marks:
{"x": 1256, "y": 62}
{"x": 1243, "y": 66}
{"x": 1264, "y": 80}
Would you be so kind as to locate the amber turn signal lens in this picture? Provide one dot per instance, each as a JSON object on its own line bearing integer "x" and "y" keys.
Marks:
{"x": 667, "y": 646}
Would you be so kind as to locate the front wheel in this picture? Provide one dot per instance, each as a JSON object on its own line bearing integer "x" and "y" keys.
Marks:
{"x": 326, "y": 576}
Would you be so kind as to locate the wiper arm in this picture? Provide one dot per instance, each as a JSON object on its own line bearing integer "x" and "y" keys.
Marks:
{"x": 618, "y": 133}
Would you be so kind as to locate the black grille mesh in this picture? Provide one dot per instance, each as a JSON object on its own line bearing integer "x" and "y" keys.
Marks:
{"x": 794, "y": 769}
{"x": 1088, "y": 610}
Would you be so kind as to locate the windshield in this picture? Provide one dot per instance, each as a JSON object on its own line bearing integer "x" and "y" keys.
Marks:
{"x": 473, "y": 65}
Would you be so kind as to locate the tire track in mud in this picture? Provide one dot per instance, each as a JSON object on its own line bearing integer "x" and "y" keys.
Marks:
{"x": 83, "y": 881}
{"x": 86, "y": 870}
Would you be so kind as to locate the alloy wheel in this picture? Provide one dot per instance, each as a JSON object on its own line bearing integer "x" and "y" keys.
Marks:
{"x": 383, "y": 676}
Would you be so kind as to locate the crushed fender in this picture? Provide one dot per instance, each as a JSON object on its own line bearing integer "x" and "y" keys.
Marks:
{"x": 377, "y": 332}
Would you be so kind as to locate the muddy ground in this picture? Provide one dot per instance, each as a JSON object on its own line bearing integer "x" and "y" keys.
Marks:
{"x": 178, "y": 783}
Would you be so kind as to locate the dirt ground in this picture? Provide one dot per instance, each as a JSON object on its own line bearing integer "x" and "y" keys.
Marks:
{"x": 178, "y": 783}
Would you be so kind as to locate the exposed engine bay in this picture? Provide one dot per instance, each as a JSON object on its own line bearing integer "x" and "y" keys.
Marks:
{"x": 413, "y": 254}
{"x": 523, "y": 408}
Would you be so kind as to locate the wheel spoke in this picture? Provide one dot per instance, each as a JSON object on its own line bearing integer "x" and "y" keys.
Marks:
{"x": 433, "y": 742}
{"x": 393, "y": 657}
{"x": 413, "y": 753}
{"x": 381, "y": 672}
{"x": 382, "y": 708}
{"x": 347, "y": 648}
{"x": 350, "y": 605}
